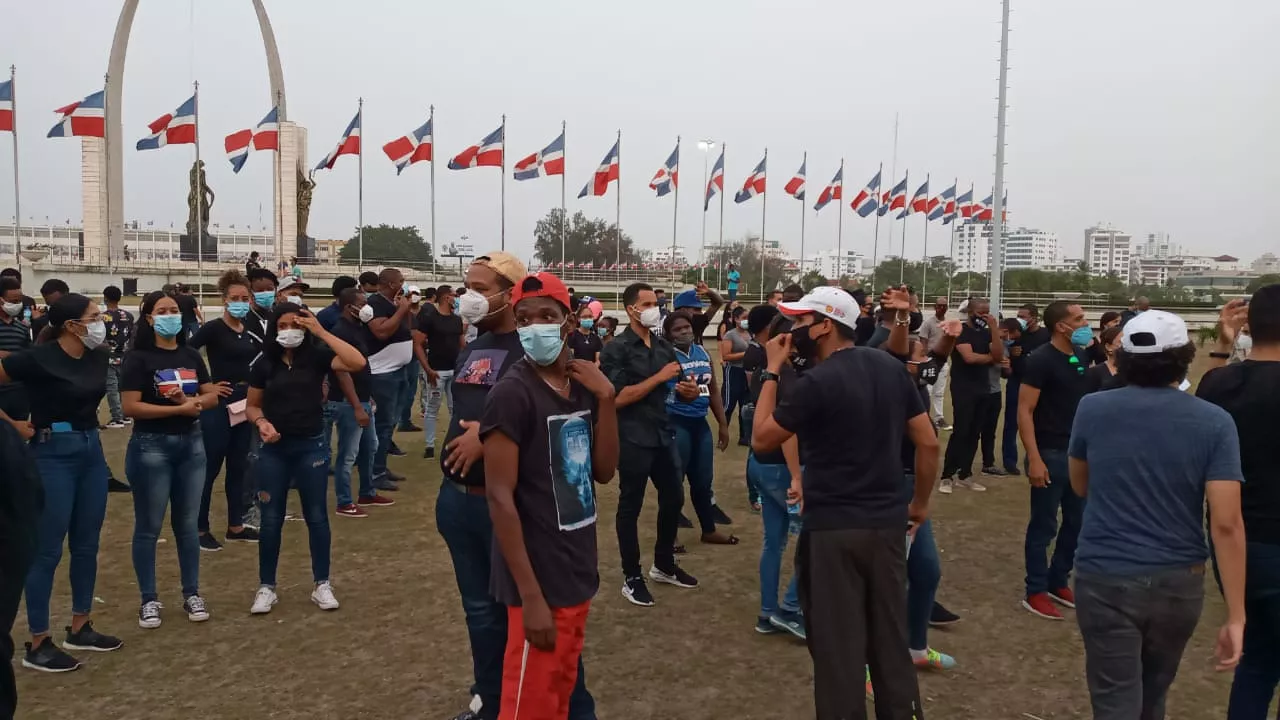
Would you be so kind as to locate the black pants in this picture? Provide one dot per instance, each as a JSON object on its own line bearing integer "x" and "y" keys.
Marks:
{"x": 971, "y": 413}
{"x": 21, "y": 502}
{"x": 636, "y": 467}
{"x": 736, "y": 394}
{"x": 224, "y": 443}
{"x": 990, "y": 418}
{"x": 1135, "y": 630}
{"x": 853, "y": 592}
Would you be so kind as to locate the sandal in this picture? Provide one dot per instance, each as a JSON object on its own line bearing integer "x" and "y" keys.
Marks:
{"x": 726, "y": 540}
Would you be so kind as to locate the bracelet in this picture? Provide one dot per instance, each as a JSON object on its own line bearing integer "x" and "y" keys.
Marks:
{"x": 1220, "y": 355}
{"x": 259, "y": 420}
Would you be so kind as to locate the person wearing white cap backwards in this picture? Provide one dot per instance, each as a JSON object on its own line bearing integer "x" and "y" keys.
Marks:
{"x": 851, "y": 410}
{"x": 1147, "y": 455}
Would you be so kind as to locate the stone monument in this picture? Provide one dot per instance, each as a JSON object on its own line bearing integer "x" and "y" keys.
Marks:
{"x": 197, "y": 242}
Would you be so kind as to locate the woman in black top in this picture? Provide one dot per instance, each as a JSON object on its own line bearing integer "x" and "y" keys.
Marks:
{"x": 286, "y": 405}
{"x": 66, "y": 371}
{"x": 585, "y": 342}
{"x": 163, "y": 386}
{"x": 1103, "y": 375}
{"x": 233, "y": 343}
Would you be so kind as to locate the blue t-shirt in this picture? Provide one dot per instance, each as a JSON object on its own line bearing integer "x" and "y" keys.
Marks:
{"x": 695, "y": 366}
{"x": 1150, "y": 452}
{"x": 734, "y": 277}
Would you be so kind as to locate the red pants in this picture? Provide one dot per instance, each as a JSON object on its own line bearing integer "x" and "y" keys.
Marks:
{"x": 536, "y": 685}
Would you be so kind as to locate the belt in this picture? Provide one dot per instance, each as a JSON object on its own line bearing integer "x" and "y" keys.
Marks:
{"x": 43, "y": 434}
{"x": 468, "y": 489}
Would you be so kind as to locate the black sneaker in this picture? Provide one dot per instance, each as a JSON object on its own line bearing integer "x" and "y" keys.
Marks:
{"x": 637, "y": 592}
{"x": 209, "y": 543}
{"x": 409, "y": 428}
{"x": 674, "y": 576}
{"x": 89, "y": 639}
{"x": 244, "y": 534}
{"x": 115, "y": 486}
{"x": 684, "y": 522}
{"x": 395, "y": 476}
{"x": 993, "y": 470}
{"x": 395, "y": 450}
{"x": 428, "y": 453}
{"x": 382, "y": 482}
{"x": 1012, "y": 471}
{"x": 941, "y": 617}
{"x": 49, "y": 658}
{"x": 719, "y": 517}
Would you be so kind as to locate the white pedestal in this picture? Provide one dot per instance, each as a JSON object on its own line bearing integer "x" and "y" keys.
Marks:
{"x": 292, "y": 160}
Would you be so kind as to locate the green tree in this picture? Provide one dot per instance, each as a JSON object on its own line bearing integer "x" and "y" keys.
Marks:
{"x": 585, "y": 241}
{"x": 1262, "y": 281}
{"x": 745, "y": 256}
{"x": 813, "y": 279}
{"x": 389, "y": 245}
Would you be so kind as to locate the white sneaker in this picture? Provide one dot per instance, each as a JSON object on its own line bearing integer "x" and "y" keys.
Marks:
{"x": 972, "y": 484}
{"x": 197, "y": 611}
{"x": 945, "y": 487}
{"x": 149, "y": 615}
{"x": 263, "y": 601}
{"x": 323, "y": 596}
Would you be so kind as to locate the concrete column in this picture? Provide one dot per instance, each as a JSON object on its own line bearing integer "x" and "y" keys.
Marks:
{"x": 293, "y": 158}
{"x": 93, "y": 192}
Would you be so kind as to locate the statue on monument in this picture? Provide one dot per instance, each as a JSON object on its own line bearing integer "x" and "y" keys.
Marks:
{"x": 200, "y": 197}
{"x": 306, "y": 185}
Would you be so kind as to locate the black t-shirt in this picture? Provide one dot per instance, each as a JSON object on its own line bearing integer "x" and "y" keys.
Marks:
{"x": 864, "y": 328}
{"x": 153, "y": 372}
{"x": 231, "y": 354}
{"x": 293, "y": 395}
{"x": 61, "y": 388}
{"x": 384, "y": 308}
{"x": 1030, "y": 340}
{"x": 699, "y": 322}
{"x": 187, "y": 304}
{"x": 1100, "y": 378}
{"x": 1062, "y": 382}
{"x": 966, "y": 379}
{"x": 480, "y": 365}
{"x": 444, "y": 337}
{"x": 555, "y": 488}
{"x": 357, "y": 335}
{"x": 585, "y": 346}
{"x": 755, "y": 360}
{"x": 1250, "y": 392}
{"x": 850, "y": 413}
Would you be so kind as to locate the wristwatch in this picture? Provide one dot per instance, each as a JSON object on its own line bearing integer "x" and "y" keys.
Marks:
{"x": 766, "y": 376}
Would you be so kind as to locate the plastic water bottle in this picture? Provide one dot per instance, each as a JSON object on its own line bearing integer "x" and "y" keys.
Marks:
{"x": 793, "y": 515}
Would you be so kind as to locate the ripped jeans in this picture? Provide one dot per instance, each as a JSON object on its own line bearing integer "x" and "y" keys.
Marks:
{"x": 303, "y": 463}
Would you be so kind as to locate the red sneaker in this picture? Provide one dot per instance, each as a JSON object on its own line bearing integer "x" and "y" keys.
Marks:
{"x": 350, "y": 511}
{"x": 375, "y": 501}
{"x": 1040, "y": 604}
{"x": 1064, "y": 597}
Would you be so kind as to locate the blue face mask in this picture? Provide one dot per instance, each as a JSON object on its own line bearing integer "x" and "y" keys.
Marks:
{"x": 587, "y": 323}
{"x": 1081, "y": 336}
{"x": 1023, "y": 324}
{"x": 265, "y": 299}
{"x": 167, "y": 326}
{"x": 237, "y": 308}
{"x": 542, "y": 343}
{"x": 602, "y": 331}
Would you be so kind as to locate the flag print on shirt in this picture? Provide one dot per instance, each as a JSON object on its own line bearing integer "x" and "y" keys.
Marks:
{"x": 177, "y": 379}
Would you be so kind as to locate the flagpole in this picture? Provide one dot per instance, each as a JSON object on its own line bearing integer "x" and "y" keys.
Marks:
{"x": 720, "y": 272}
{"x": 875, "y": 243}
{"x": 893, "y": 173}
{"x": 504, "y": 182}
{"x": 968, "y": 276}
{"x": 199, "y": 196}
{"x": 706, "y": 146}
{"x": 906, "y": 211}
{"x": 617, "y": 250}
{"x": 360, "y": 182}
{"x": 675, "y": 213}
{"x": 840, "y": 264}
{"x": 17, "y": 202}
{"x": 804, "y": 163}
{"x": 431, "y": 119}
{"x": 952, "y": 253}
{"x": 564, "y": 213}
{"x": 924, "y": 271}
{"x": 997, "y": 193}
{"x": 764, "y": 210}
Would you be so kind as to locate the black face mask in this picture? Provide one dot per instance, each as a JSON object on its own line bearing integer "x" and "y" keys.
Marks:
{"x": 927, "y": 372}
{"x": 682, "y": 340}
{"x": 979, "y": 323}
{"x": 805, "y": 346}
{"x": 917, "y": 319}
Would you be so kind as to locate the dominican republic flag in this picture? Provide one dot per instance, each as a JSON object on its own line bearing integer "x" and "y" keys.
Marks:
{"x": 795, "y": 186}
{"x": 488, "y": 153}
{"x": 175, "y": 128}
{"x": 868, "y": 199}
{"x": 964, "y": 204}
{"x": 988, "y": 210}
{"x": 412, "y": 148}
{"x": 265, "y": 137}
{"x": 348, "y": 145}
{"x": 716, "y": 183}
{"x": 754, "y": 184}
{"x": 832, "y": 191}
{"x": 544, "y": 163}
{"x": 895, "y": 199}
{"x": 668, "y": 176}
{"x": 607, "y": 172}
{"x": 919, "y": 202}
{"x": 944, "y": 206}
{"x": 175, "y": 379}
{"x": 6, "y": 106}
{"x": 82, "y": 119}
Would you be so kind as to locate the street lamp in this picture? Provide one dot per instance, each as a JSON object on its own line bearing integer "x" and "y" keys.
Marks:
{"x": 706, "y": 146}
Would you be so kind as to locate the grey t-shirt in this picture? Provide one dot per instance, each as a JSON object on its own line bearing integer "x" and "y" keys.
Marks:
{"x": 738, "y": 340}
{"x": 1150, "y": 453}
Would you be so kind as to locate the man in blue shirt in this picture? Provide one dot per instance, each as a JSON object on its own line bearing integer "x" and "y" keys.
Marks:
{"x": 1148, "y": 455}
{"x": 734, "y": 277}
{"x": 330, "y": 315}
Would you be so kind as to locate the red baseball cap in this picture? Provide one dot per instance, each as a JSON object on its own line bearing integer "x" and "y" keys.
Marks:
{"x": 540, "y": 284}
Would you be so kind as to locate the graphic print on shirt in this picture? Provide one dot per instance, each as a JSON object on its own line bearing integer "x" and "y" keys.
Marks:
{"x": 183, "y": 379}
{"x": 482, "y": 367}
{"x": 569, "y": 440}
{"x": 695, "y": 366}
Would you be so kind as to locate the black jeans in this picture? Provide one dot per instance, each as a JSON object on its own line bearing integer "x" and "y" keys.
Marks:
{"x": 1135, "y": 630}
{"x": 990, "y": 417}
{"x": 971, "y": 413}
{"x": 735, "y": 395}
{"x": 636, "y": 467}
{"x": 1259, "y": 670}
{"x": 853, "y": 592}
{"x": 224, "y": 443}
{"x": 14, "y": 563}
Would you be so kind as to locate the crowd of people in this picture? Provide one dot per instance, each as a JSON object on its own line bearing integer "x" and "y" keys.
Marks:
{"x": 548, "y": 398}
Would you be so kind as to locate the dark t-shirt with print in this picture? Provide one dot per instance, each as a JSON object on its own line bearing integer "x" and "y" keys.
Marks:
{"x": 1061, "y": 379}
{"x": 585, "y": 346}
{"x": 293, "y": 395}
{"x": 154, "y": 372}
{"x": 61, "y": 388}
{"x": 480, "y": 365}
{"x": 231, "y": 354}
{"x": 555, "y": 489}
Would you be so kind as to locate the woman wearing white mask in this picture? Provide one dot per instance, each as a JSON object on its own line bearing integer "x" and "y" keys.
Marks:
{"x": 286, "y": 406}
{"x": 67, "y": 371}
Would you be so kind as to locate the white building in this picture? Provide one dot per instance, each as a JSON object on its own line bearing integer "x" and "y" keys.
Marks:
{"x": 140, "y": 242}
{"x": 1158, "y": 246}
{"x": 1155, "y": 271}
{"x": 1024, "y": 248}
{"x": 1108, "y": 251}
{"x": 1067, "y": 265}
{"x": 832, "y": 265}
{"x": 1267, "y": 264}
{"x": 663, "y": 256}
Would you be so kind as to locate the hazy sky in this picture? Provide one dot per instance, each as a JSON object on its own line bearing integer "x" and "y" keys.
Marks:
{"x": 1153, "y": 116}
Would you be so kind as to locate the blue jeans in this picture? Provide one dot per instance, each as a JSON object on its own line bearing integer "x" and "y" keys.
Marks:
{"x": 696, "y": 453}
{"x": 300, "y": 462}
{"x": 74, "y": 474}
{"x": 773, "y": 482}
{"x": 432, "y": 397}
{"x": 224, "y": 443}
{"x": 1009, "y": 442}
{"x": 163, "y": 469}
{"x": 924, "y": 573}
{"x": 356, "y": 446}
{"x": 1044, "y": 576}
{"x": 385, "y": 391}
{"x": 409, "y": 375}
{"x": 464, "y": 523}
{"x": 1259, "y": 670}
{"x": 113, "y": 394}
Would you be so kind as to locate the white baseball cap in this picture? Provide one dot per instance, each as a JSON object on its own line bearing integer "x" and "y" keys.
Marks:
{"x": 827, "y": 301}
{"x": 412, "y": 290}
{"x": 289, "y": 281}
{"x": 1154, "y": 331}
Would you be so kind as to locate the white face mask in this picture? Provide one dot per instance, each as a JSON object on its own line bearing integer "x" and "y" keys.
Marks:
{"x": 474, "y": 307}
{"x": 291, "y": 338}
{"x": 295, "y": 299}
{"x": 1244, "y": 342}
{"x": 651, "y": 317}
{"x": 97, "y": 333}
{"x": 366, "y": 313}
{"x": 13, "y": 309}
{"x": 414, "y": 298}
